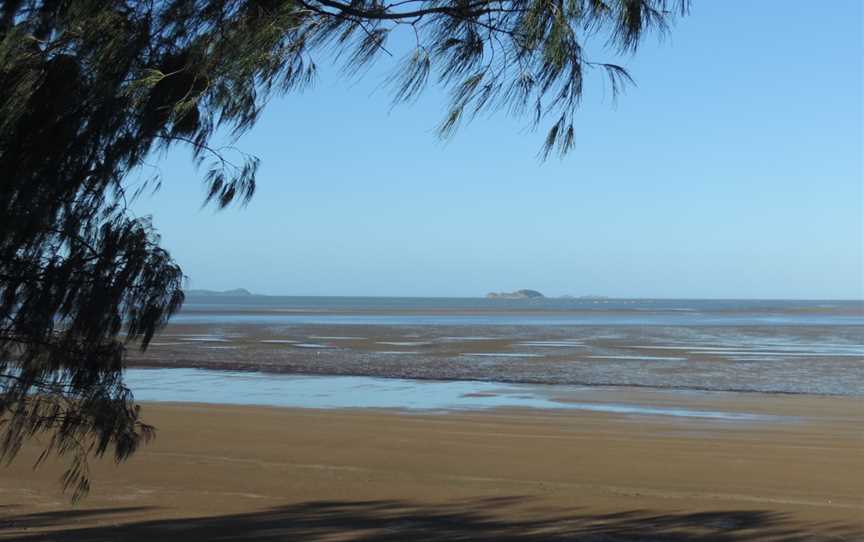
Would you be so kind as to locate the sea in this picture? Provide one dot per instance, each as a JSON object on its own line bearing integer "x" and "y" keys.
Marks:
{"x": 531, "y": 311}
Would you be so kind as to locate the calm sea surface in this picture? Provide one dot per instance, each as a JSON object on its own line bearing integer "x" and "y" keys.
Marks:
{"x": 546, "y": 311}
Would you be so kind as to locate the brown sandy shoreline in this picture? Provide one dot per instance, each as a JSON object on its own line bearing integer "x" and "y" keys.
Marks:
{"x": 267, "y": 474}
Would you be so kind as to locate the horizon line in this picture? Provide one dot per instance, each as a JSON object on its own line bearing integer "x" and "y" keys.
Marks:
{"x": 563, "y": 296}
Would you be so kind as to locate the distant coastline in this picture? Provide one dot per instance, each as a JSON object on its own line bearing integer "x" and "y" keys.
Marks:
{"x": 236, "y": 292}
{"x": 518, "y": 294}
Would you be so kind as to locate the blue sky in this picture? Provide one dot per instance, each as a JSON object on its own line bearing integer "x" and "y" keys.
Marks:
{"x": 732, "y": 170}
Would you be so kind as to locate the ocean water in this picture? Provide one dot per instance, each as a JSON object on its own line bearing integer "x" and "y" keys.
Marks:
{"x": 770, "y": 346}
{"x": 543, "y": 312}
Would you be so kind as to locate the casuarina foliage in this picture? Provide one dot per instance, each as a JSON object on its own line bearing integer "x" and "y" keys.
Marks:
{"x": 93, "y": 89}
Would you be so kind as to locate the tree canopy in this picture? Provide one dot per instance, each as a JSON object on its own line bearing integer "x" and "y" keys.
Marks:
{"x": 93, "y": 88}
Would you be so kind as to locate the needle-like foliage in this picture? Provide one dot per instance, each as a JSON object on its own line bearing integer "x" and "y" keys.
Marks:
{"x": 92, "y": 88}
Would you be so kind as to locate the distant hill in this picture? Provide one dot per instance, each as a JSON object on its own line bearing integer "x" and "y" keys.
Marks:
{"x": 237, "y": 292}
{"x": 518, "y": 294}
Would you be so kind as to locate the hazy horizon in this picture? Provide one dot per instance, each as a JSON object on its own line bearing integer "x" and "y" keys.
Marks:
{"x": 545, "y": 294}
{"x": 732, "y": 171}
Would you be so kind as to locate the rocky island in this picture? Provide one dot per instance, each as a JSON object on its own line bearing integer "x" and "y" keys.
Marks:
{"x": 518, "y": 294}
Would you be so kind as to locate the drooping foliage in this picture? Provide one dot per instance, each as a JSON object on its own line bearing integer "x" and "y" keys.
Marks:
{"x": 92, "y": 88}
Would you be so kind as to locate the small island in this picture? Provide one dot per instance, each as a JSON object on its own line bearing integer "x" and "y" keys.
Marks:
{"x": 518, "y": 294}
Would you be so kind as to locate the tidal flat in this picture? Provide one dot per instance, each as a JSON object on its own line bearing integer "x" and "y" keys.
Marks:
{"x": 804, "y": 359}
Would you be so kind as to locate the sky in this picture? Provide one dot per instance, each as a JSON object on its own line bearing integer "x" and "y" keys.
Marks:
{"x": 733, "y": 169}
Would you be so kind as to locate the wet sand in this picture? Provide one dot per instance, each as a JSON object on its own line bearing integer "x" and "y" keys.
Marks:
{"x": 267, "y": 474}
{"x": 791, "y": 359}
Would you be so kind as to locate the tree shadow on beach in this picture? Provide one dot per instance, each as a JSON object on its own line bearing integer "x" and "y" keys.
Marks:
{"x": 40, "y": 520}
{"x": 483, "y": 520}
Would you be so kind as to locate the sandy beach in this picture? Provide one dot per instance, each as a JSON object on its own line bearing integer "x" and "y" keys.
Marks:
{"x": 431, "y": 270}
{"x": 265, "y": 474}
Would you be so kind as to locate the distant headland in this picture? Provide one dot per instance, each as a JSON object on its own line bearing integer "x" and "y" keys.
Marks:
{"x": 518, "y": 294}
{"x": 236, "y": 292}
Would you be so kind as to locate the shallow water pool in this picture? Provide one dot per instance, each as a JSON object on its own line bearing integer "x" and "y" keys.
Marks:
{"x": 336, "y": 392}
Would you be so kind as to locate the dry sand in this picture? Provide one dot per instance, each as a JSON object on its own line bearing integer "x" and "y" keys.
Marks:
{"x": 268, "y": 474}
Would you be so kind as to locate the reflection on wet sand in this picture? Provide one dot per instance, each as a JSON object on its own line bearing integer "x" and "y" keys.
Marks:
{"x": 329, "y": 392}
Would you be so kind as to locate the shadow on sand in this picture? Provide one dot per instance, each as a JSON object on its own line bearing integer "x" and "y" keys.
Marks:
{"x": 479, "y": 519}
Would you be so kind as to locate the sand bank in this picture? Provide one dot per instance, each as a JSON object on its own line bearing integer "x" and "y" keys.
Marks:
{"x": 267, "y": 474}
